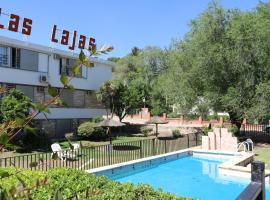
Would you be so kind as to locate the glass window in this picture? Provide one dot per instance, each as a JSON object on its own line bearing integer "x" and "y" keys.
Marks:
{"x": 16, "y": 57}
{"x": 3, "y": 56}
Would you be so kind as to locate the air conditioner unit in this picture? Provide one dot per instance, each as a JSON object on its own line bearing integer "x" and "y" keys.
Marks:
{"x": 56, "y": 56}
{"x": 43, "y": 79}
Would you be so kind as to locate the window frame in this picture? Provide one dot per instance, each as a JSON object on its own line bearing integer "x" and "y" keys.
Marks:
{"x": 8, "y": 56}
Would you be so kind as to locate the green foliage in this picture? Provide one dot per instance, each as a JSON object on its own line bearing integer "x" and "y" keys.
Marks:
{"x": 219, "y": 126}
{"x": 97, "y": 119}
{"x": 15, "y": 106}
{"x": 205, "y": 130}
{"x": 260, "y": 110}
{"x": 120, "y": 98}
{"x": 176, "y": 133}
{"x": 113, "y": 59}
{"x": 52, "y": 91}
{"x": 173, "y": 115}
{"x": 67, "y": 183}
{"x": 88, "y": 129}
{"x": 146, "y": 130}
{"x": 234, "y": 129}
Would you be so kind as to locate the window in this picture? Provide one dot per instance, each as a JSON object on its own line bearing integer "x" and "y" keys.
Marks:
{"x": 15, "y": 58}
{"x": 66, "y": 65}
{"x": 3, "y": 56}
{"x": 40, "y": 89}
{"x": 89, "y": 92}
{"x": 10, "y": 86}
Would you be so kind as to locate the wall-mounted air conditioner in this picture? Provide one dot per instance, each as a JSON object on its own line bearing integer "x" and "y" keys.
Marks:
{"x": 43, "y": 79}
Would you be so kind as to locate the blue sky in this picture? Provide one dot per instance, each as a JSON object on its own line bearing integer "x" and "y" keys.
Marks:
{"x": 122, "y": 23}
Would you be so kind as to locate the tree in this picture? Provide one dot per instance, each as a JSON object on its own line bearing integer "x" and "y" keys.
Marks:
{"x": 120, "y": 98}
{"x": 222, "y": 59}
{"x": 15, "y": 105}
{"x": 114, "y": 59}
{"x": 260, "y": 110}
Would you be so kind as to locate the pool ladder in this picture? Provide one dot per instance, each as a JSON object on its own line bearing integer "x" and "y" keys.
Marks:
{"x": 248, "y": 146}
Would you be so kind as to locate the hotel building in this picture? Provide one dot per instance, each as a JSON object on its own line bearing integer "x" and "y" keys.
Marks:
{"x": 31, "y": 68}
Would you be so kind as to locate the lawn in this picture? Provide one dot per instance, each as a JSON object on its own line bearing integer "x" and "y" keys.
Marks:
{"x": 262, "y": 153}
{"x": 88, "y": 143}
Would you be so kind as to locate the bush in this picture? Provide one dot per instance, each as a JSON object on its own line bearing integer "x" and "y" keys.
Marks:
{"x": 219, "y": 126}
{"x": 88, "y": 129}
{"x": 146, "y": 130}
{"x": 205, "y": 130}
{"x": 176, "y": 133}
{"x": 97, "y": 119}
{"x": 234, "y": 129}
{"x": 173, "y": 115}
{"x": 71, "y": 182}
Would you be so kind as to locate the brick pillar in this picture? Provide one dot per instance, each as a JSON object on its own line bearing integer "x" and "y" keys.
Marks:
{"x": 164, "y": 116}
{"x": 244, "y": 121}
{"x": 181, "y": 120}
{"x": 221, "y": 120}
{"x": 200, "y": 120}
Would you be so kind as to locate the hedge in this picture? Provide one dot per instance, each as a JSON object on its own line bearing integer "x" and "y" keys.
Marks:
{"x": 71, "y": 182}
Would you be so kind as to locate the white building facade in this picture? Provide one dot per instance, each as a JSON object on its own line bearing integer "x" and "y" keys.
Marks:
{"x": 31, "y": 68}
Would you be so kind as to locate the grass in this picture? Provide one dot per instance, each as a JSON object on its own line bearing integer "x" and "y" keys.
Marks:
{"x": 88, "y": 143}
{"x": 263, "y": 154}
{"x": 123, "y": 150}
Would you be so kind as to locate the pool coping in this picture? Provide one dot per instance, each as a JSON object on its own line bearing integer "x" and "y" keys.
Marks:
{"x": 228, "y": 166}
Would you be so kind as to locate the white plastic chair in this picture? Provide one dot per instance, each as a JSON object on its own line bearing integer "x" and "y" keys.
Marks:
{"x": 62, "y": 154}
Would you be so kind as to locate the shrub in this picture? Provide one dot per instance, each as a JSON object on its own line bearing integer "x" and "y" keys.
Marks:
{"x": 173, "y": 115}
{"x": 176, "y": 133}
{"x": 205, "y": 130}
{"x": 146, "y": 130}
{"x": 89, "y": 130}
{"x": 219, "y": 126}
{"x": 97, "y": 119}
{"x": 86, "y": 129}
{"x": 71, "y": 182}
{"x": 234, "y": 129}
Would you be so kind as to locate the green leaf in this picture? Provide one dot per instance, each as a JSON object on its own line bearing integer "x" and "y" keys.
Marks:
{"x": 71, "y": 87}
{"x": 82, "y": 56}
{"x": 19, "y": 121}
{"x": 4, "y": 139}
{"x": 41, "y": 108}
{"x": 4, "y": 174}
{"x": 64, "y": 79}
{"x": 22, "y": 181}
{"x": 58, "y": 195}
{"x": 76, "y": 70}
{"x": 52, "y": 91}
{"x": 33, "y": 164}
{"x": 3, "y": 193}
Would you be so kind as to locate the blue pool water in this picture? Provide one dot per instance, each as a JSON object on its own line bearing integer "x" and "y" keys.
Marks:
{"x": 191, "y": 176}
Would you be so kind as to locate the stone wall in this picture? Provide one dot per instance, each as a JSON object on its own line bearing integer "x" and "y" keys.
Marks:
{"x": 78, "y": 98}
{"x": 220, "y": 139}
{"x": 91, "y": 101}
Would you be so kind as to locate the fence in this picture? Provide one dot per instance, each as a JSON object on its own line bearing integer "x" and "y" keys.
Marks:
{"x": 256, "y": 132}
{"x": 97, "y": 156}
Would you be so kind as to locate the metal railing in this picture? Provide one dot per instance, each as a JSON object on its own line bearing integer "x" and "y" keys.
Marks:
{"x": 256, "y": 132}
{"x": 97, "y": 156}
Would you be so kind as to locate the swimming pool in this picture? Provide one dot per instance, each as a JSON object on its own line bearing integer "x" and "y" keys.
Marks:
{"x": 187, "y": 175}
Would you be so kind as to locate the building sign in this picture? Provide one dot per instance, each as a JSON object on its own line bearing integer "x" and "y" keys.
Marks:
{"x": 65, "y": 37}
{"x": 14, "y": 21}
{"x": 71, "y": 42}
